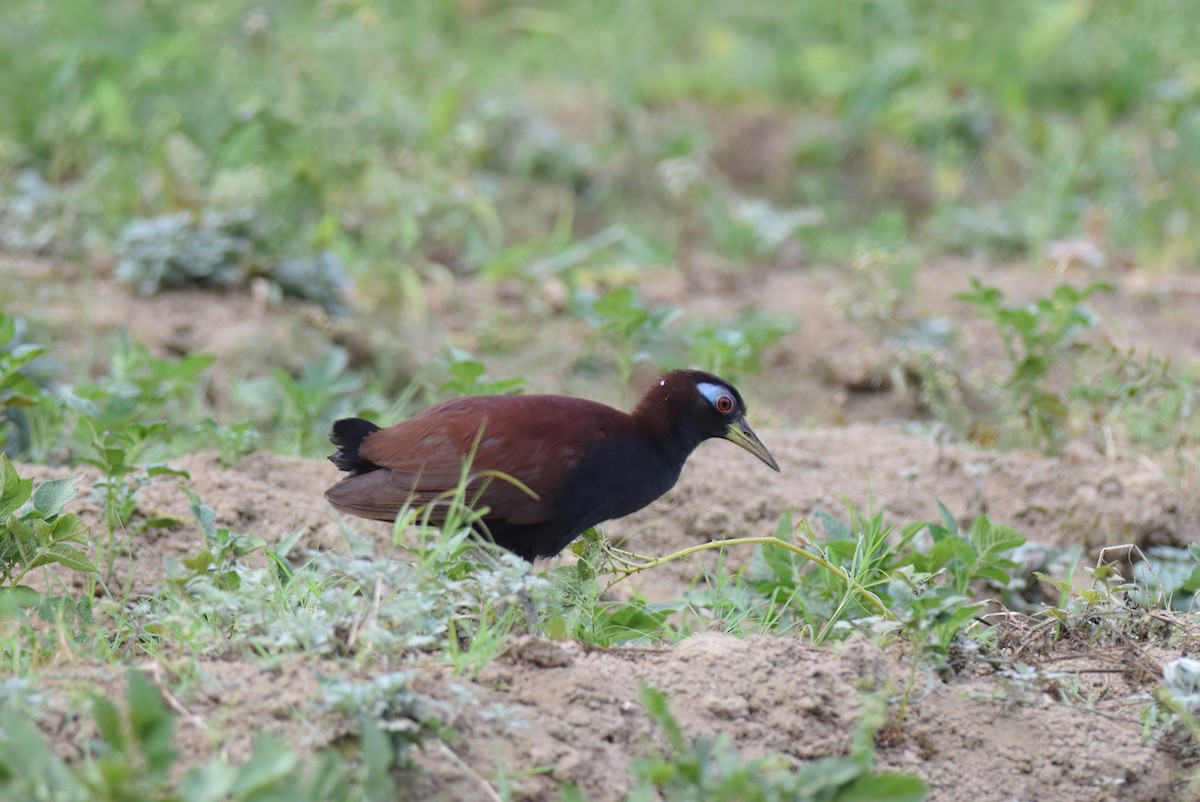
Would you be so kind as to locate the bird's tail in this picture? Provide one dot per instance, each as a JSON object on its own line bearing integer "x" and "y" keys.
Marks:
{"x": 347, "y": 435}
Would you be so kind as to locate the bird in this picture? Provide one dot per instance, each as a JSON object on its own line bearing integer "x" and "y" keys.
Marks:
{"x": 542, "y": 468}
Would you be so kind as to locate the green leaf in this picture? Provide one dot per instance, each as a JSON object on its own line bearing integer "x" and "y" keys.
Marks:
{"x": 51, "y": 496}
{"x": 69, "y": 528}
{"x": 200, "y": 562}
{"x": 886, "y": 787}
{"x": 152, "y": 723}
{"x": 995, "y": 574}
{"x": 992, "y": 539}
{"x": 166, "y": 470}
{"x": 835, "y": 529}
{"x": 209, "y": 783}
{"x": 948, "y": 519}
{"x": 18, "y": 597}
{"x": 656, "y": 706}
{"x": 271, "y": 763}
{"x": 1192, "y": 583}
{"x": 15, "y": 491}
{"x": 204, "y": 514}
{"x": 949, "y": 549}
{"x": 73, "y": 558}
{"x": 108, "y": 723}
{"x": 66, "y": 555}
{"x": 241, "y": 545}
{"x": 779, "y": 560}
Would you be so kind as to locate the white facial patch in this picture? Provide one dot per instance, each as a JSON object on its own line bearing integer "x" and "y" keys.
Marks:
{"x": 713, "y": 391}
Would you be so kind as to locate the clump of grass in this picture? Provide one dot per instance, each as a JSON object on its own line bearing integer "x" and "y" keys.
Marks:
{"x": 133, "y": 757}
{"x": 629, "y": 327}
{"x": 1037, "y": 336}
{"x": 735, "y": 349}
{"x": 298, "y": 411}
{"x": 466, "y": 375}
{"x": 710, "y": 768}
{"x": 918, "y": 581}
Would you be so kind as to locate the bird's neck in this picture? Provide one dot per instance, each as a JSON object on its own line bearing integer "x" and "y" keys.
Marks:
{"x": 671, "y": 436}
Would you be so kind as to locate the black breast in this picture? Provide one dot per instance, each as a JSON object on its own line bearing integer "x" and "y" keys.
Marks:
{"x": 617, "y": 477}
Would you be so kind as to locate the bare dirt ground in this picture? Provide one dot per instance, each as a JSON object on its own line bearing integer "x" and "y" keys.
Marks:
{"x": 829, "y": 409}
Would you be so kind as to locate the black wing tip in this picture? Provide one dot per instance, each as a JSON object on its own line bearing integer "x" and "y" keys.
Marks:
{"x": 348, "y": 435}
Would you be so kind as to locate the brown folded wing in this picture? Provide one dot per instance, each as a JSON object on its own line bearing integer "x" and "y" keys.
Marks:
{"x": 532, "y": 439}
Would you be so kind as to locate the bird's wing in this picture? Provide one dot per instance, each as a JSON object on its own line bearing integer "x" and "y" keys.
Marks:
{"x": 531, "y": 439}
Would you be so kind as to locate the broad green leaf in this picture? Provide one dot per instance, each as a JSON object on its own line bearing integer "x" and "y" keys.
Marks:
{"x": 50, "y": 497}
{"x": 15, "y": 490}
{"x": 66, "y": 555}
{"x": 72, "y": 558}
{"x": 270, "y": 763}
{"x": 779, "y": 560}
{"x": 949, "y": 549}
{"x": 18, "y": 597}
{"x": 995, "y": 574}
{"x": 1192, "y": 584}
{"x": 24, "y": 534}
{"x": 209, "y": 783}
{"x": 843, "y": 550}
{"x": 824, "y": 775}
{"x": 69, "y": 528}
{"x": 241, "y": 545}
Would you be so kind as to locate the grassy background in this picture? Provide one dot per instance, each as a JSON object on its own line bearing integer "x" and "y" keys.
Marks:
{"x": 404, "y": 134}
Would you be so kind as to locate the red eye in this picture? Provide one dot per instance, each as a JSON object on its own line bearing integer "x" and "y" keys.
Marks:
{"x": 724, "y": 405}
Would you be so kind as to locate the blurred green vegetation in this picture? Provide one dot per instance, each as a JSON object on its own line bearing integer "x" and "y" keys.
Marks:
{"x": 404, "y": 135}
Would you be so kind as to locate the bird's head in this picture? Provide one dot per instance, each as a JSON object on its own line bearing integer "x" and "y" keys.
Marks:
{"x": 703, "y": 404}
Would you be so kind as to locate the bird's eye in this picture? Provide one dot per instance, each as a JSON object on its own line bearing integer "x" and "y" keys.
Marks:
{"x": 724, "y": 405}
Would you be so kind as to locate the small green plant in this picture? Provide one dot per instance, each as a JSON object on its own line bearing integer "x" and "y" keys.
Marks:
{"x": 40, "y": 534}
{"x": 1173, "y": 717}
{"x": 234, "y": 440}
{"x": 16, "y": 388}
{"x": 629, "y": 327}
{"x": 466, "y": 375}
{"x": 220, "y": 248}
{"x": 135, "y": 388}
{"x": 221, "y": 550}
{"x": 861, "y": 573}
{"x": 935, "y": 614}
{"x": 181, "y": 249}
{"x": 581, "y": 611}
{"x": 296, "y": 411}
{"x": 389, "y": 704}
{"x": 710, "y": 769}
{"x": 735, "y": 350}
{"x": 1169, "y": 577}
{"x": 879, "y": 289}
{"x": 133, "y": 756}
{"x": 117, "y": 453}
{"x": 1037, "y": 336}
{"x": 35, "y": 531}
{"x": 1143, "y": 398}
{"x": 139, "y": 387}
{"x": 820, "y": 598}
